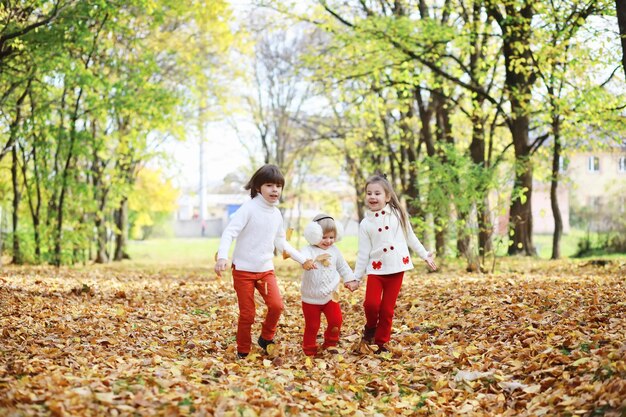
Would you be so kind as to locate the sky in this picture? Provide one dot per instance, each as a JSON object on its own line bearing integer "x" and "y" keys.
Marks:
{"x": 223, "y": 154}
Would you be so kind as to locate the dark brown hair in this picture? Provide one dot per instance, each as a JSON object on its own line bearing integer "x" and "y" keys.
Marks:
{"x": 267, "y": 174}
{"x": 394, "y": 202}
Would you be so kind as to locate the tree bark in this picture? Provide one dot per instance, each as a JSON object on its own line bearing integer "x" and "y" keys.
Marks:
{"x": 17, "y": 254}
{"x": 554, "y": 183}
{"x": 13, "y": 128}
{"x": 58, "y": 236}
{"x": 620, "y": 7}
{"x": 520, "y": 217}
{"x": 121, "y": 235}
{"x": 516, "y": 27}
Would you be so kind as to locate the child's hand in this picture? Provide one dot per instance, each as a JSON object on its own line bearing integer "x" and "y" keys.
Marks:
{"x": 309, "y": 264}
{"x": 352, "y": 285}
{"x": 430, "y": 261}
{"x": 220, "y": 266}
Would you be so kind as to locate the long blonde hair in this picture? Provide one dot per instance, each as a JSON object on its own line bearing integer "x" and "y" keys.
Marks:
{"x": 394, "y": 202}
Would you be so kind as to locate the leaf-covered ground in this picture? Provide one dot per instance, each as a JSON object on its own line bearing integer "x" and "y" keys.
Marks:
{"x": 539, "y": 339}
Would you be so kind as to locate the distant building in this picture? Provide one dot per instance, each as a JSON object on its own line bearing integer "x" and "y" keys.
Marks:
{"x": 189, "y": 220}
{"x": 594, "y": 181}
{"x": 219, "y": 207}
{"x": 543, "y": 218}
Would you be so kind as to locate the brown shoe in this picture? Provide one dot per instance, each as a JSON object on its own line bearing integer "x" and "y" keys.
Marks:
{"x": 368, "y": 334}
{"x": 383, "y": 349}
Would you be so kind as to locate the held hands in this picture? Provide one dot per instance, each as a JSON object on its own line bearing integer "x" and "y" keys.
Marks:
{"x": 352, "y": 285}
{"x": 430, "y": 261}
{"x": 220, "y": 266}
{"x": 309, "y": 264}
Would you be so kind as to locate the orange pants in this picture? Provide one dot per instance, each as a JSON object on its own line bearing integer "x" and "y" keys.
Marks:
{"x": 245, "y": 283}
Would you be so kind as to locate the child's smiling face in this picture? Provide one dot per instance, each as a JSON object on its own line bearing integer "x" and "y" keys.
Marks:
{"x": 327, "y": 240}
{"x": 375, "y": 196}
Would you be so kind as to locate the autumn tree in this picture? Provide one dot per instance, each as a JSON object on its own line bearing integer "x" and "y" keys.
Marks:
{"x": 103, "y": 90}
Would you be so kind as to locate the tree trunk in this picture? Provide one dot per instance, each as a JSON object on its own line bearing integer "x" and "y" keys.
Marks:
{"x": 121, "y": 235}
{"x": 102, "y": 256}
{"x": 463, "y": 238}
{"x": 485, "y": 229}
{"x": 556, "y": 211}
{"x": 520, "y": 75}
{"x": 58, "y": 238}
{"x": 520, "y": 217}
{"x": 34, "y": 187}
{"x": 17, "y": 195}
{"x": 17, "y": 254}
{"x": 444, "y": 138}
{"x": 620, "y": 7}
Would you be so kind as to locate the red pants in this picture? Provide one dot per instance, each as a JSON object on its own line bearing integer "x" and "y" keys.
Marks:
{"x": 312, "y": 319}
{"x": 245, "y": 283}
{"x": 381, "y": 294}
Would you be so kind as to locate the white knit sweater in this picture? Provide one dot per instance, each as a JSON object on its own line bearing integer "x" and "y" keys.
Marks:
{"x": 318, "y": 284}
{"x": 257, "y": 227}
{"x": 383, "y": 246}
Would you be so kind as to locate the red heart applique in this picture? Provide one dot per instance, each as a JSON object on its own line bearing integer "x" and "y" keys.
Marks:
{"x": 405, "y": 260}
{"x": 377, "y": 265}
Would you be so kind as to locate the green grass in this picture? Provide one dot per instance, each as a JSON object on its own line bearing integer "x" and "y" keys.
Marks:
{"x": 175, "y": 251}
{"x": 569, "y": 244}
{"x": 200, "y": 252}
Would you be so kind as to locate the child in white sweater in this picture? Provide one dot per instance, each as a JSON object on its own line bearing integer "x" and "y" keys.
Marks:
{"x": 320, "y": 284}
{"x": 257, "y": 227}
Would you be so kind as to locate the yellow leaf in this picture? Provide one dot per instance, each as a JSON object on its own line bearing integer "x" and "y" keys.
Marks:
{"x": 532, "y": 389}
{"x": 105, "y": 397}
{"x": 581, "y": 361}
{"x": 323, "y": 259}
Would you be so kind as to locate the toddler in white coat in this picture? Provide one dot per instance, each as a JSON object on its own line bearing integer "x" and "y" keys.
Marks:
{"x": 319, "y": 286}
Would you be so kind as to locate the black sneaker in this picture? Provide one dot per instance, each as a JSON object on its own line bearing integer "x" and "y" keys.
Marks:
{"x": 242, "y": 355}
{"x": 265, "y": 343}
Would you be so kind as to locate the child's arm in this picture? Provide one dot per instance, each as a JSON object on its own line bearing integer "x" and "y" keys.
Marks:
{"x": 309, "y": 263}
{"x": 430, "y": 261}
{"x": 236, "y": 224}
{"x": 415, "y": 244}
{"x": 350, "y": 281}
{"x": 365, "y": 247}
{"x": 282, "y": 245}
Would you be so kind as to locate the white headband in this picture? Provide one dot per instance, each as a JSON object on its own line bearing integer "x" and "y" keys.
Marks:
{"x": 313, "y": 232}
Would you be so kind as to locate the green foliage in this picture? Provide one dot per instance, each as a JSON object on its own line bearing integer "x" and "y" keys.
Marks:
{"x": 90, "y": 96}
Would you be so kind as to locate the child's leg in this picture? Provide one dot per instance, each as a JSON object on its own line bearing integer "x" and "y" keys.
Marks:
{"x": 268, "y": 288}
{"x": 332, "y": 311}
{"x": 391, "y": 289}
{"x": 312, "y": 314}
{"x": 244, "y": 287}
{"x": 371, "y": 304}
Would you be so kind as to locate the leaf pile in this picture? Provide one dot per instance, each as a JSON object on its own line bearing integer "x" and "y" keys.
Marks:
{"x": 539, "y": 339}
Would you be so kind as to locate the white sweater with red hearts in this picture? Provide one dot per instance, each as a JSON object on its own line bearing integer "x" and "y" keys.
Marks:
{"x": 383, "y": 246}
